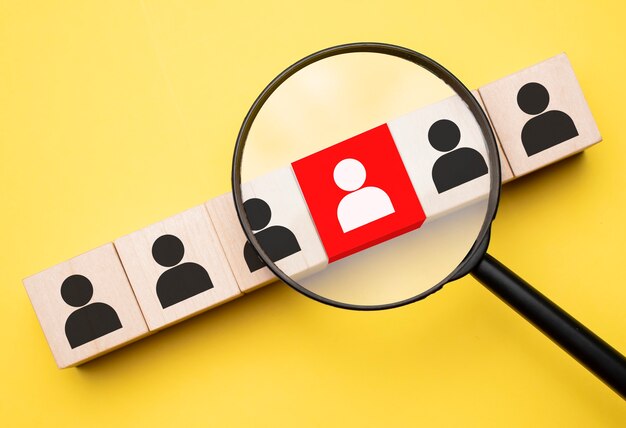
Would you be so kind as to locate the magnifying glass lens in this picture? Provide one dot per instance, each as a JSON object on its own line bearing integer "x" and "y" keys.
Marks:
{"x": 366, "y": 178}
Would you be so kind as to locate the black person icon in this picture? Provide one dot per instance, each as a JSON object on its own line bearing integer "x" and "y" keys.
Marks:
{"x": 457, "y": 166}
{"x": 180, "y": 282}
{"x": 278, "y": 242}
{"x": 547, "y": 129}
{"x": 88, "y": 322}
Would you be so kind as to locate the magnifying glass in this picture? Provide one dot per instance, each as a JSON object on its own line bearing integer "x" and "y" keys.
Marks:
{"x": 366, "y": 176}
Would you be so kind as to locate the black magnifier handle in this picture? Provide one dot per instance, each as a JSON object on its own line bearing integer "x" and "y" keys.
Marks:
{"x": 576, "y": 339}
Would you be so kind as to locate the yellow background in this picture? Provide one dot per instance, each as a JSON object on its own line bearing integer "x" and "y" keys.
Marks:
{"x": 114, "y": 115}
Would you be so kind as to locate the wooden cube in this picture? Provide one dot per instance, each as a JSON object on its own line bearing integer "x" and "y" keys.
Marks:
{"x": 505, "y": 168}
{"x": 444, "y": 152}
{"x": 177, "y": 268}
{"x": 86, "y": 306}
{"x": 540, "y": 115}
{"x": 282, "y": 222}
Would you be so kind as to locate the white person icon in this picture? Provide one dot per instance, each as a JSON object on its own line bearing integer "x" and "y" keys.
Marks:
{"x": 365, "y": 204}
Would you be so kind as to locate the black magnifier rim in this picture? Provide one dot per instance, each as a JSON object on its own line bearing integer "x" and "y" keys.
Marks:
{"x": 479, "y": 247}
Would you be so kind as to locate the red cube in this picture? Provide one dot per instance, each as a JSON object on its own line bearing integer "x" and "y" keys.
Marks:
{"x": 359, "y": 193}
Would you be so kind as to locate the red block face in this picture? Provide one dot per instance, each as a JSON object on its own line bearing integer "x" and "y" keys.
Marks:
{"x": 359, "y": 193}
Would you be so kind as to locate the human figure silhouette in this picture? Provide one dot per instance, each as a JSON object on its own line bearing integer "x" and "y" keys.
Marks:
{"x": 458, "y": 166}
{"x": 547, "y": 129}
{"x": 278, "y": 242}
{"x": 180, "y": 282}
{"x": 89, "y": 322}
{"x": 362, "y": 205}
